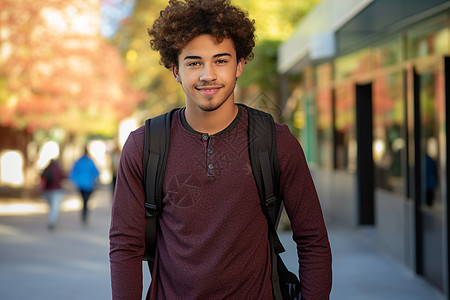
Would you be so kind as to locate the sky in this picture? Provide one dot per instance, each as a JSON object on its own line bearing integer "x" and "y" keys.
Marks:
{"x": 113, "y": 12}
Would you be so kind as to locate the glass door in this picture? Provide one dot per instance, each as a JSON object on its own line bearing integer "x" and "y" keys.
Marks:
{"x": 430, "y": 162}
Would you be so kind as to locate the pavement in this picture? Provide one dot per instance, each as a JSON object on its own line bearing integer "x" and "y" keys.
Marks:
{"x": 72, "y": 262}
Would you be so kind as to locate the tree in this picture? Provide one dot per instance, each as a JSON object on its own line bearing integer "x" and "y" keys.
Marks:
{"x": 57, "y": 70}
{"x": 146, "y": 73}
{"x": 275, "y": 22}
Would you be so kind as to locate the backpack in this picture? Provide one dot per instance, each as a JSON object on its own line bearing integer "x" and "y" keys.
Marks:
{"x": 264, "y": 162}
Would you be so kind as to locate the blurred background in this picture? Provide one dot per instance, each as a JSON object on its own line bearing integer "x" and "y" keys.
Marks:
{"x": 363, "y": 84}
{"x": 75, "y": 72}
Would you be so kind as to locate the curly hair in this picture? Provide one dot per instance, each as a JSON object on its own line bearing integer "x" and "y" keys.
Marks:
{"x": 180, "y": 22}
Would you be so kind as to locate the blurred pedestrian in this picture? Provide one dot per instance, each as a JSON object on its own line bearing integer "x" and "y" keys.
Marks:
{"x": 51, "y": 179}
{"x": 84, "y": 175}
{"x": 212, "y": 238}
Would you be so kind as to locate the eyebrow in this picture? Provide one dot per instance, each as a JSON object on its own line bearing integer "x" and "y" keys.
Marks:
{"x": 215, "y": 56}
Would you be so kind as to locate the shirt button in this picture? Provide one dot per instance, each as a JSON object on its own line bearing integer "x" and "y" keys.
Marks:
{"x": 210, "y": 166}
{"x": 205, "y": 136}
{"x": 210, "y": 151}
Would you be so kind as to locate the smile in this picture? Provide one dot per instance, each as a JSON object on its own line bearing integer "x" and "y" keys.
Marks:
{"x": 208, "y": 91}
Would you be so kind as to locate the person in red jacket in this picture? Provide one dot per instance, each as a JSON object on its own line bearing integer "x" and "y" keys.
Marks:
{"x": 52, "y": 177}
{"x": 212, "y": 236}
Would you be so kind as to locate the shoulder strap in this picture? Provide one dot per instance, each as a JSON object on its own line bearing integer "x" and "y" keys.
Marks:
{"x": 264, "y": 162}
{"x": 156, "y": 145}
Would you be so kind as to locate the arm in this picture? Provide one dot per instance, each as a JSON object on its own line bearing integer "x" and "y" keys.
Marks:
{"x": 304, "y": 211}
{"x": 127, "y": 231}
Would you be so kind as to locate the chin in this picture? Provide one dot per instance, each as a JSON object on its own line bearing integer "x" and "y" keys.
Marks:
{"x": 211, "y": 106}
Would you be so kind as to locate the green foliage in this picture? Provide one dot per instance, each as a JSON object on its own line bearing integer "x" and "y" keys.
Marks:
{"x": 145, "y": 71}
{"x": 276, "y": 19}
{"x": 262, "y": 70}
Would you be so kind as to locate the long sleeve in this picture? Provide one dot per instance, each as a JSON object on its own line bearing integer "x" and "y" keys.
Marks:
{"x": 127, "y": 231}
{"x": 304, "y": 211}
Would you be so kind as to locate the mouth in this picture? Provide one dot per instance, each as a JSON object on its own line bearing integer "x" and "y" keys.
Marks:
{"x": 208, "y": 90}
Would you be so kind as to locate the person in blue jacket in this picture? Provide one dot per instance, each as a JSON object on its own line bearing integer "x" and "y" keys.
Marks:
{"x": 84, "y": 175}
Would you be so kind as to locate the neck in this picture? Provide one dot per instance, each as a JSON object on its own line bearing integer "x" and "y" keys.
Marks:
{"x": 211, "y": 122}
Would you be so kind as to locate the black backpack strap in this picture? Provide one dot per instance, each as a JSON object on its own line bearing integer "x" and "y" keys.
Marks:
{"x": 156, "y": 146}
{"x": 264, "y": 162}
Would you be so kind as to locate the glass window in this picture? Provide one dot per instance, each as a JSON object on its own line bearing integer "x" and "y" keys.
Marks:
{"x": 324, "y": 108}
{"x": 305, "y": 116}
{"x": 345, "y": 127}
{"x": 388, "y": 131}
{"x": 429, "y": 38}
{"x": 388, "y": 54}
{"x": 432, "y": 118}
{"x": 353, "y": 64}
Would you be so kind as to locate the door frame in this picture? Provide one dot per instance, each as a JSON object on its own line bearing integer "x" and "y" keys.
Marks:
{"x": 364, "y": 159}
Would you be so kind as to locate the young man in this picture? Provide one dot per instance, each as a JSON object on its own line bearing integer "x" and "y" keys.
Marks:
{"x": 212, "y": 239}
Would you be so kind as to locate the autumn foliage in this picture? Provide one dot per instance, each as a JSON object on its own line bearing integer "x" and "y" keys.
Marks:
{"x": 57, "y": 70}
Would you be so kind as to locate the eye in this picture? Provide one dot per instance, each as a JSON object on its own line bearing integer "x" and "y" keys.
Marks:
{"x": 221, "y": 61}
{"x": 193, "y": 64}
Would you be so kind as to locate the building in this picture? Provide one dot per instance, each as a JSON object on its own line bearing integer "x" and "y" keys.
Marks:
{"x": 370, "y": 103}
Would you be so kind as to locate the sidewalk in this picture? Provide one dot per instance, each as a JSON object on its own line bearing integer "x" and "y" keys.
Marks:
{"x": 362, "y": 273}
{"x": 69, "y": 263}
{"x": 72, "y": 262}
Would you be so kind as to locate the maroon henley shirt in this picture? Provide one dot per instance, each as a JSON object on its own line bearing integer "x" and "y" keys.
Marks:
{"x": 212, "y": 237}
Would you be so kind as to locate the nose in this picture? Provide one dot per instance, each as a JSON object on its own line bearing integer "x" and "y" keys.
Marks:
{"x": 208, "y": 73}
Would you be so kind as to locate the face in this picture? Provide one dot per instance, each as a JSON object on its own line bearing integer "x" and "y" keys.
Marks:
{"x": 207, "y": 71}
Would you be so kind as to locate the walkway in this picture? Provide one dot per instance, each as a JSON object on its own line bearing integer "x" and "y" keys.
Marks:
{"x": 72, "y": 262}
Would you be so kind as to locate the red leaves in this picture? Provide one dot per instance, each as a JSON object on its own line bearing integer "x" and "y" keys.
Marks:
{"x": 58, "y": 70}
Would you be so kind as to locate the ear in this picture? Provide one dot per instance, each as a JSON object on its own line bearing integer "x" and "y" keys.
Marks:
{"x": 176, "y": 74}
{"x": 240, "y": 67}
